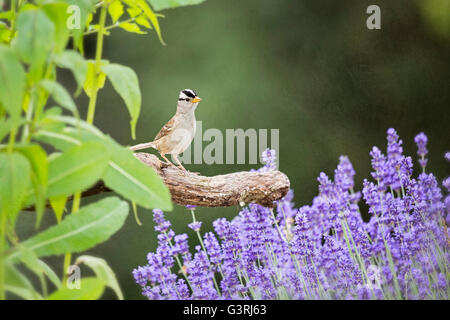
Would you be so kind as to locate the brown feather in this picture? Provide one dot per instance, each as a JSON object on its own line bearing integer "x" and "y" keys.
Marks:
{"x": 166, "y": 129}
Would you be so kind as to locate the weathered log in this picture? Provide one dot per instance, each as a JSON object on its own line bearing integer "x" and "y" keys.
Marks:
{"x": 219, "y": 191}
{"x": 189, "y": 188}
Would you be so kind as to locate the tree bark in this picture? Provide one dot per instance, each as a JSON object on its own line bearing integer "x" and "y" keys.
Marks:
{"x": 189, "y": 188}
{"x": 219, "y": 191}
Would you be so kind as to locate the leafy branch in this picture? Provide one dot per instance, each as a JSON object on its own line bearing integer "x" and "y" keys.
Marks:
{"x": 98, "y": 56}
{"x": 34, "y": 40}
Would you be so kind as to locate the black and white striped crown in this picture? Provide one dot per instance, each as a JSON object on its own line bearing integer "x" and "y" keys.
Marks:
{"x": 187, "y": 93}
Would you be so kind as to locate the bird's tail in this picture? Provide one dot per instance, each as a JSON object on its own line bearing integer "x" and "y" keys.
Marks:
{"x": 143, "y": 146}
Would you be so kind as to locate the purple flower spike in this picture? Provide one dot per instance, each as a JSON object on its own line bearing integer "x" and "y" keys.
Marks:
{"x": 158, "y": 216}
{"x": 446, "y": 184}
{"x": 447, "y": 156}
{"x": 181, "y": 244}
{"x": 317, "y": 251}
{"x": 212, "y": 246}
{"x": 421, "y": 142}
{"x": 190, "y": 207}
{"x": 195, "y": 225}
{"x": 269, "y": 158}
{"x": 162, "y": 225}
{"x": 344, "y": 174}
{"x": 394, "y": 149}
{"x": 141, "y": 275}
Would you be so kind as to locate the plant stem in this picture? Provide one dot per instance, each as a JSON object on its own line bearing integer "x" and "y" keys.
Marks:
{"x": 206, "y": 252}
{"x": 90, "y": 118}
{"x": 68, "y": 255}
{"x": 179, "y": 264}
{"x": 26, "y": 128}
{"x": 98, "y": 57}
{"x": 12, "y": 139}
{"x": 112, "y": 26}
{"x": 43, "y": 285}
{"x": 13, "y": 10}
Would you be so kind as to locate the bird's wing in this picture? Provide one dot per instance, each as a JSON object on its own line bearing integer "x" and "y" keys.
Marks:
{"x": 168, "y": 128}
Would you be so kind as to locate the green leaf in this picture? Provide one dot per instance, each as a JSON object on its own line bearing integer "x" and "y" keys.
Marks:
{"x": 90, "y": 289}
{"x": 7, "y": 15}
{"x": 75, "y": 62}
{"x": 60, "y": 95}
{"x": 91, "y": 225}
{"x": 5, "y": 33}
{"x": 43, "y": 121}
{"x": 126, "y": 84}
{"x": 102, "y": 271}
{"x": 56, "y": 138}
{"x": 141, "y": 20}
{"x": 39, "y": 267}
{"x": 131, "y": 27}
{"x": 115, "y": 10}
{"x": 125, "y": 174}
{"x": 133, "y": 12}
{"x": 15, "y": 180}
{"x": 135, "y": 181}
{"x": 57, "y": 12}
{"x": 12, "y": 82}
{"x": 58, "y": 205}
{"x": 6, "y": 125}
{"x": 76, "y": 169}
{"x": 18, "y": 284}
{"x": 35, "y": 39}
{"x": 39, "y": 175}
{"x": 90, "y": 77}
{"x": 165, "y": 4}
{"x": 141, "y": 4}
{"x": 51, "y": 275}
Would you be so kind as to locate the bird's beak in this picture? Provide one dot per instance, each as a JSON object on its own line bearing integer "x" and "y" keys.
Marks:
{"x": 196, "y": 99}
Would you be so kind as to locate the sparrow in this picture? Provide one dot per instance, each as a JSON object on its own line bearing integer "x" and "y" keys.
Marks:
{"x": 177, "y": 134}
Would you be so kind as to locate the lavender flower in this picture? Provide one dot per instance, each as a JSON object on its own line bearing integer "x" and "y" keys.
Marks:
{"x": 213, "y": 248}
{"x": 162, "y": 224}
{"x": 196, "y": 225}
{"x": 343, "y": 175}
{"x": 421, "y": 140}
{"x": 141, "y": 275}
{"x": 201, "y": 277}
{"x": 181, "y": 244}
{"x": 447, "y": 156}
{"x": 394, "y": 148}
{"x": 269, "y": 158}
{"x": 446, "y": 184}
{"x": 379, "y": 165}
{"x": 324, "y": 250}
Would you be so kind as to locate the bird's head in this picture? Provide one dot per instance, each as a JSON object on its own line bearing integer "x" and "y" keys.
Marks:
{"x": 188, "y": 100}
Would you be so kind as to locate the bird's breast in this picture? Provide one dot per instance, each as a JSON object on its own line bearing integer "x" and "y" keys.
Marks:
{"x": 183, "y": 134}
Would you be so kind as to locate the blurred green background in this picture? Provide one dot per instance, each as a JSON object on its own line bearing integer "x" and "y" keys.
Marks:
{"x": 309, "y": 68}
